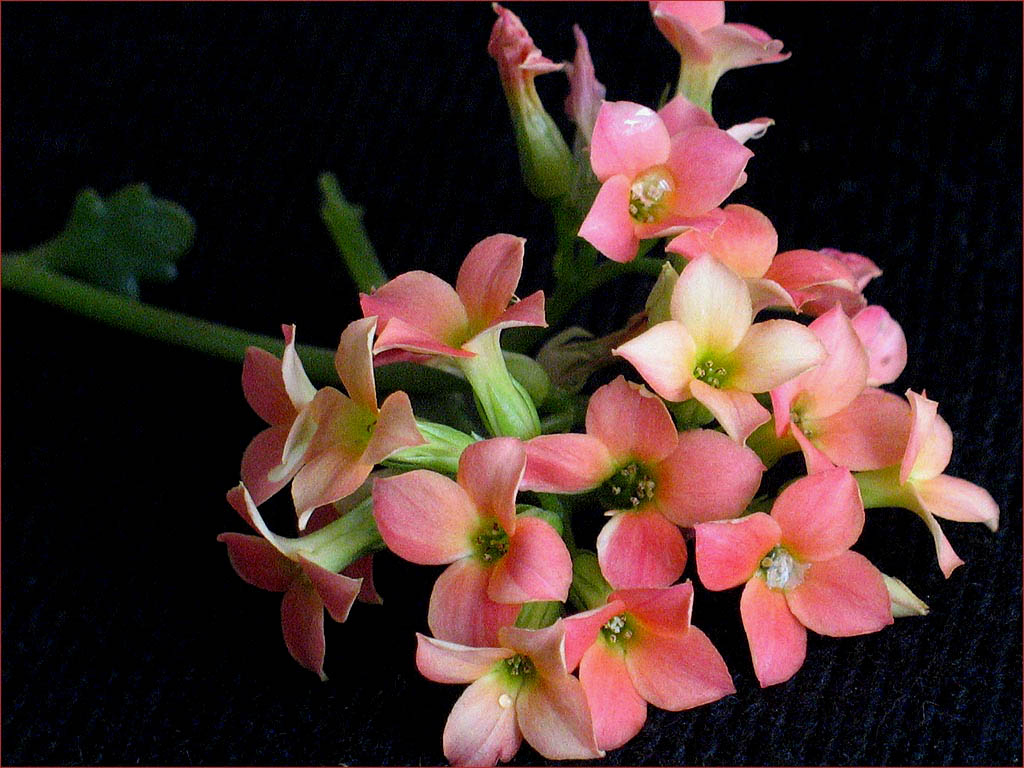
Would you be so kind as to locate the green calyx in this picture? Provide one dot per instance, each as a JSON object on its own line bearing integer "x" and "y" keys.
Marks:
{"x": 504, "y": 404}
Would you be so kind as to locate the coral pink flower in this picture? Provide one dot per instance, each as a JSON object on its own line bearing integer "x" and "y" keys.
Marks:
{"x": 498, "y": 560}
{"x": 651, "y": 478}
{"x": 917, "y": 482}
{"x": 291, "y": 566}
{"x": 816, "y": 280}
{"x": 799, "y": 571}
{"x": 641, "y": 648}
{"x": 655, "y": 183}
{"x": 712, "y": 351}
{"x": 518, "y": 690}
{"x": 335, "y": 440}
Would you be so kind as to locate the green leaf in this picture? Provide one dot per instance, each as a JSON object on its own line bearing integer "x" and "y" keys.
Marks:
{"x": 130, "y": 237}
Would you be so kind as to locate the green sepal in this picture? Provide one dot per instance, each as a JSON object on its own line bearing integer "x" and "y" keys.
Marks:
{"x": 551, "y": 518}
{"x": 440, "y": 453}
{"x": 589, "y": 588}
{"x": 539, "y": 614}
{"x": 690, "y": 414}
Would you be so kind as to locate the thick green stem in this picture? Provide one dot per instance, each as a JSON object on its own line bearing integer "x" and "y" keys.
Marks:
{"x": 345, "y": 222}
{"x": 339, "y": 544}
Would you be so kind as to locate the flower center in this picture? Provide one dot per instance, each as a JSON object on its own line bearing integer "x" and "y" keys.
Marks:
{"x": 519, "y": 666}
{"x": 618, "y": 631}
{"x": 650, "y": 195}
{"x": 798, "y": 422}
{"x": 711, "y": 373}
{"x": 628, "y": 488}
{"x": 491, "y": 542}
{"x": 781, "y": 570}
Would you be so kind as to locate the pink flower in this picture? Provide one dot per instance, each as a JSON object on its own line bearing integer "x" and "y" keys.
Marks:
{"x": 585, "y": 92}
{"x": 641, "y": 648}
{"x": 335, "y": 440}
{"x": 799, "y": 571}
{"x": 816, "y": 280}
{"x": 655, "y": 182}
{"x": 710, "y": 349}
{"x": 498, "y": 560}
{"x": 651, "y": 478}
{"x": 291, "y": 566}
{"x": 885, "y": 343}
{"x": 520, "y": 689}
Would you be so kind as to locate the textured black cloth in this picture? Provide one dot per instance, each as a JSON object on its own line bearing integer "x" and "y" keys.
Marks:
{"x": 128, "y": 639}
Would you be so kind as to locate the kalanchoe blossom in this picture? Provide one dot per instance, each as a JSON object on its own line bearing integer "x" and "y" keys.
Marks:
{"x": 301, "y": 568}
{"x": 498, "y": 560}
{"x": 652, "y": 479}
{"x": 518, "y": 690}
{"x": 710, "y": 349}
{"x": 654, "y": 183}
{"x": 640, "y": 648}
{"x": 917, "y": 482}
{"x": 816, "y": 280}
{"x": 708, "y": 47}
{"x": 799, "y": 571}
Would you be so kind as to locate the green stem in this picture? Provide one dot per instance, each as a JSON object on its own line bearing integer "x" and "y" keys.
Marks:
{"x": 341, "y": 543}
{"x": 613, "y": 269}
{"x": 345, "y": 222}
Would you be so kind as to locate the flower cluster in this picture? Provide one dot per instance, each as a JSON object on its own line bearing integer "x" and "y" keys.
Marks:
{"x": 565, "y": 642}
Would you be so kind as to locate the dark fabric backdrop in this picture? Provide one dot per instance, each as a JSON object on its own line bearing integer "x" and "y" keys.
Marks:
{"x": 126, "y": 636}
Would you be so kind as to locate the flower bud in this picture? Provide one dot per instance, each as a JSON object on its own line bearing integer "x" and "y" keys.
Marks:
{"x": 504, "y": 404}
{"x": 904, "y": 602}
{"x": 660, "y": 298}
{"x": 440, "y": 453}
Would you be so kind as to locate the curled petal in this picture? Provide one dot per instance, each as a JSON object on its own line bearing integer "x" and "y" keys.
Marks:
{"x": 337, "y": 592}
{"x": 707, "y": 164}
{"x": 424, "y": 302}
{"x": 862, "y": 268}
{"x": 778, "y": 642}
{"x": 631, "y": 422}
{"x": 885, "y": 343}
{"x": 263, "y": 387}
{"x": 753, "y": 129}
{"x": 362, "y": 569}
{"x": 772, "y": 353}
{"x": 528, "y": 311}
{"x": 581, "y": 630}
{"x": 713, "y": 304}
{"x": 568, "y": 463}
{"x": 460, "y": 610}
{"x": 930, "y": 445}
{"x": 354, "y": 362}
{"x": 640, "y": 549}
{"x": 870, "y": 433}
{"x": 628, "y": 138}
{"x": 678, "y": 671}
{"x": 537, "y": 566}
{"x": 395, "y": 429}
{"x": 488, "y": 278}
{"x": 296, "y": 382}
{"x": 741, "y": 45}
{"x": 302, "y": 621}
{"x": 842, "y": 375}
{"x": 841, "y": 597}
{"x": 814, "y": 459}
{"x": 821, "y": 515}
{"x": 729, "y": 552}
{"x": 956, "y": 499}
{"x": 608, "y": 225}
{"x": 445, "y": 662}
{"x": 664, "y": 355}
{"x": 618, "y": 710}
{"x": 555, "y": 719}
{"x": 545, "y": 647}
{"x": 739, "y": 413}
{"x": 490, "y": 472}
{"x": 258, "y": 562}
{"x": 663, "y": 610}
{"x": 700, "y": 15}
{"x": 482, "y": 727}
{"x": 682, "y": 22}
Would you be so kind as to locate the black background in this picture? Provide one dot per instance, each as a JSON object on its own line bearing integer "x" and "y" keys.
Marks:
{"x": 126, "y": 636}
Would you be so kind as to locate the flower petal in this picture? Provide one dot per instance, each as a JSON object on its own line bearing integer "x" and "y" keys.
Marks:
{"x": 460, "y": 610}
{"x": 585, "y": 92}
{"x": 337, "y": 592}
{"x": 482, "y": 727}
{"x": 395, "y": 429}
{"x": 296, "y": 382}
{"x": 581, "y": 630}
{"x": 842, "y": 597}
{"x": 354, "y": 362}
{"x": 680, "y": 113}
{"x": 400, "y": 335}
{"x": 628, "y": 138}
{"x": 755, "y": 128}
{"x": 713, "y": 304}
{"x": 640, "y": 549}
{"x": 664, "y": 356}
{"x": 767, "y": 293}
{"x": 707, "y": 165}
{"x": 699, "y": 14}
{"x": 490, "y": 472}
{"x": 302, "y": 622}
{"x": 258, "y": 562}
{"x": 528, "y": 311}
{"x": 567, "y": 463}
{"x": 362, "y": 569}
{"x": 930, "y": 445}
{"x": 554, "y": 717}
{"x": 870, "y": 433}
{"x": 728, "y": 552}
{"x": 746, "y": 241}
{"x": 682, "y": 23}
{"x": 678, "y": 671}
{"x": 608, "y": 225}
{"x": 885, "y": 343}
{"x": 741, "y": 45}
{"x": 778, "y": 642}
{"x": 631, "y": 421}
{"x": 263, "y": 387}
{"x": 862, "y": 268}
{"x": 424, "y": 517}
{"x": 814, "y": 459}
{"x": 956, "y": 499}
{"x": 617, "y": 709}
{"x": 664, "y": 610}
{"x": 842, "y": 375}
{"x": 947, "y": 558}
{"x": 263, "y": 455}
{"x": 772, "y": 353}
{"x": 537, "y": 566}
{"x": 330, "y": 476}
{"x": 445, "y": 662}
{"x": 422, "y": 301}
{"x": 488, "y": 278}
{"x": 685, "y": 491}
{"x": 821, "y": 515}
{"x": 739, "y": 413}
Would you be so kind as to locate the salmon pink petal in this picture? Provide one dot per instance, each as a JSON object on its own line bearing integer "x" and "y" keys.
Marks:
{"x": 753, "y": 129}
{"x": 713, "y": 304}
{"x": 948, "y": 559}
{"x": 821, "y": 515}
{"x": 490, "y": 472}
{"x": 767, "y": 293}
{"x": 885, "y": 343}
{"x": 354, "y": 362}
{"x": 608, "y": 226}
{"x": 545, "y": 647}
{"x": 315, "y": 429}
{"x": 684, "y": 494}
{"x": 739, "y": 413}
{"x": 664, "y": 610}
{"x": 445, "y": 662}
{"x": 585, "y": 92}
{"x": 617, "y": 709}
{"x": 664, "y": 356}
{"x": 680, "y": 113}
{"x": 581, "y": 630}
{"x": 631, "y": 422}
{"x": 807, "y": 274}
{"x": 956, "y": 499}
{"x": 424, "y": 302}
{"x": 729, "y": 552}
{"x": 337, "y": 592}
{"x": 528, "y": 311}
{"x": 707, "y": 165}
{"x": 814, "y": 459}
{"x": 772, "y": 353}
{"x": 842, "y": 597}
{"x": 362, "y": 569}
{"x": 678, "y": 671}
{"x": 628, "y": 138}
{"x": 262, "y": 456}
{"x": 746, "y": 241}
{"x": 331, "y": 476}
{"x": 460, "y": 610}
{"x": 554, "y": 717}
{"x": 862, "y": 268}
{"x": 424, "y": 517}
{"x": 567, "y": 463}
{"x": 699, "y": 14}
{"x": 640, "y": 549}
{"x": 482, "y": 728}
{"x": 537, "y": 566}
{"x": 930, "y": 445}
{"x": 870, "y": 433}
{"x": 395, "y": 429}
{"x": 296, "y": 383}
{"x": 258, "y": 562}
{"x": 488, "y": 278}
{"x": 674, "y": 223}
{"x": 683, "y": 21}
{"x": 398, "y": 334}
{"x": 691, "y": 244}
{"x": 302, "y": 621}
{"x": 741, "y": 45}
{"x": 842, "y": 375}
{"x": 263, "y": 387}
{"x": 778, "y": 642}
